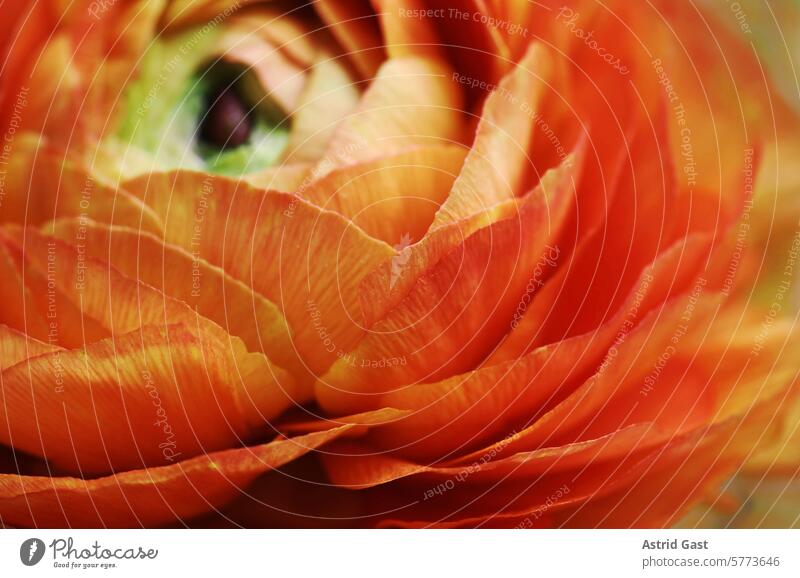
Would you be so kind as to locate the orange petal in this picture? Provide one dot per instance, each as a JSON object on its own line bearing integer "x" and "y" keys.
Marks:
{"x": 71, "y": 74}
{"x": 86, "y": 300}
{"x": 450, "y": 416}
{"x": 28, "y": 26}
{"x": 140, "y": 399}
{"x": 498, "y": 166}
{"x": 354, "y": 25}
{"x": 294, "y": 35}
{"x": 285, "y": 178}
{"x": 16, "y": 347}
{"x": 470, "y": 45}
{"x": 594, "y": 494}
{"x": 307, "y": 261}
{"x": 663, "y": 374}
{"x": 725, "y": 122}
{"x": 590, "y": 287}
{"x": 150, "y": 497}
{"x": 464, "y": 504}
{"x": 388, "y": 285}
{"x": 205, "y": 288}
{"x": 357, "y": 466}
{"x": 18, "y": 309}
{"x": 63, "y": 188}
{"x": 526, "y": 20}
{"x": 182, "y": 13}
{"x": 668, "y": 275}
{"x": 373, "y": 418}
{"x": 679, "y": 476}
{"x": 395, "y": 197}
{"x": 457, "y": 310}
{"x": 402, "y": 39}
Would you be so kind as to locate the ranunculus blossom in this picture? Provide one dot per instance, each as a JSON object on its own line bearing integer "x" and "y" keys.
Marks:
{"x": 390, "y": 263}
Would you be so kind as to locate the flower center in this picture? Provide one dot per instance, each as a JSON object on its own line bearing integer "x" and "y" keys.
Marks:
{"x": 227, "y": 123}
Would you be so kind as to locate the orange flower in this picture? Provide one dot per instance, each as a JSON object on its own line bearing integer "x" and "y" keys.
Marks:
{"x": 415, "y": 263}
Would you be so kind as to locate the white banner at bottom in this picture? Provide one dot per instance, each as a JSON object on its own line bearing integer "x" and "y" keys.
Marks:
{"x": 406, "y": 553}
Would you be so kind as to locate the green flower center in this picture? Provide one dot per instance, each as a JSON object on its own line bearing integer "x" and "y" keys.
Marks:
{"x": 189, "y": 109}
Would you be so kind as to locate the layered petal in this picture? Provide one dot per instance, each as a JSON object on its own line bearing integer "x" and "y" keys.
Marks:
{"x": 498, "y": 166}
{"x": 140, "y": 399}
{"x": 151, "y": 497}
{"x": 473, "y": 291}
{"x": 395, "y": 197}
{"x": 355, "y": 27}
{"x": 47, "y": 185}
{"x": 188, "y": 278}
{"x": 307, "y": 261}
